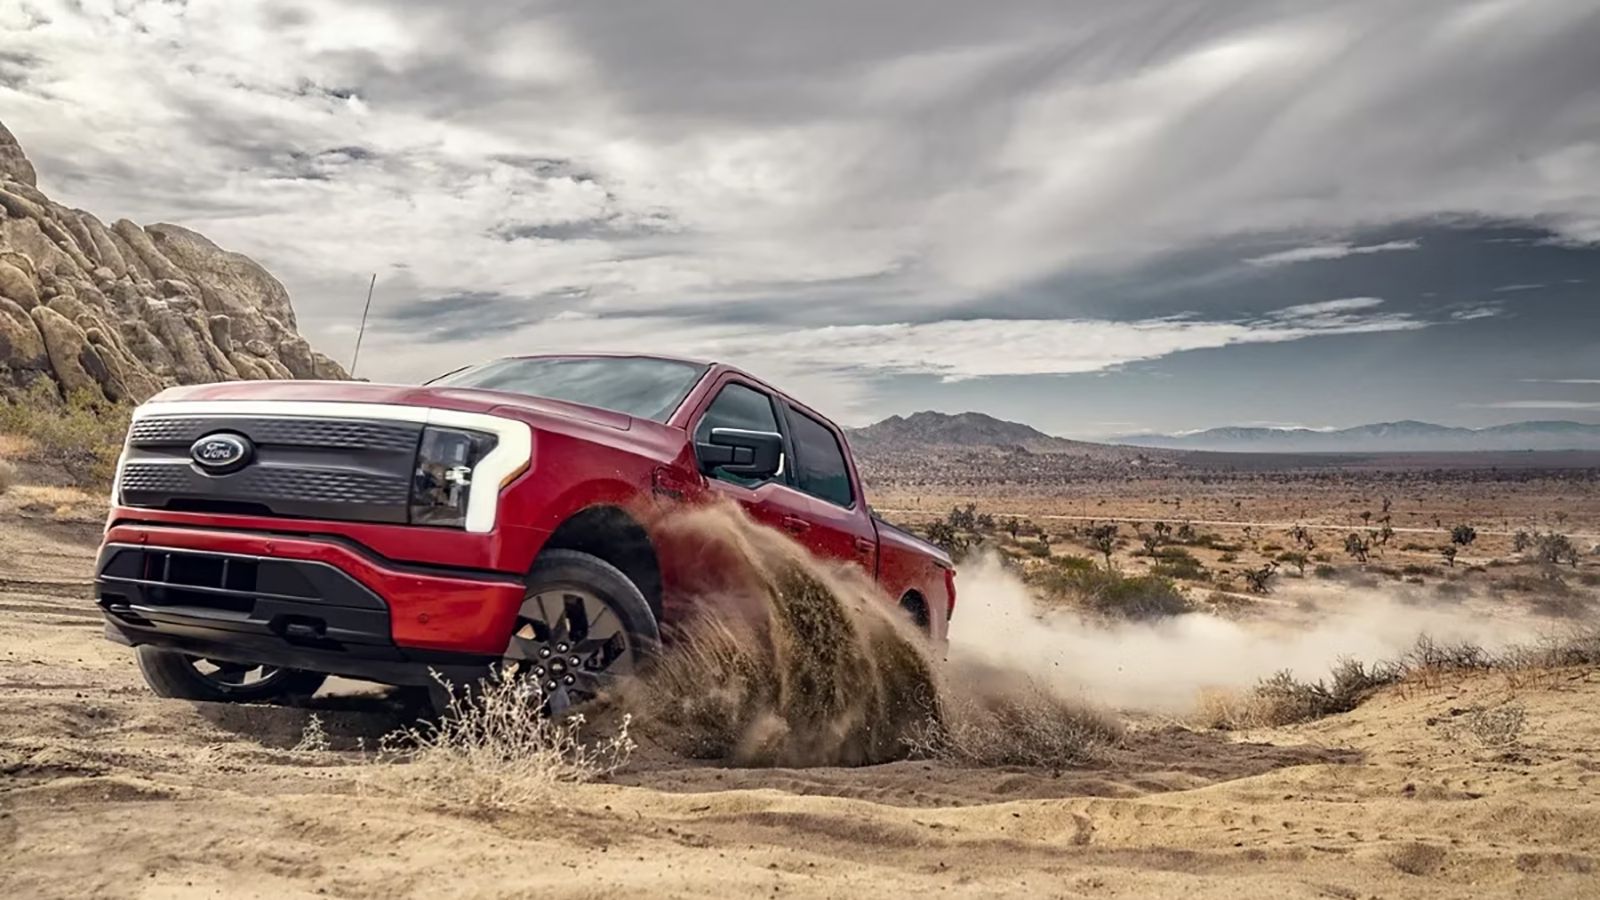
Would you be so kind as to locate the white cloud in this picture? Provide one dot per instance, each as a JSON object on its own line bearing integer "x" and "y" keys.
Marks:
{"x": 1329, "y": 251}
{"x": 828, "y": 364}
{"x": 743, "y": 155}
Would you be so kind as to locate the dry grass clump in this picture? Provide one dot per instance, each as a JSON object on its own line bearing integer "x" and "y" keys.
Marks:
{"x": 496, "y": 748}
{"x": 1008, "y": 720}
{"x": 82, "y": 435}
{"x": 8, "y": 476}
{"x": 1284, "y": 699}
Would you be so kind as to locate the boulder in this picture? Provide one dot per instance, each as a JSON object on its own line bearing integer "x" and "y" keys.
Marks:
{"x": 230, "y": 283}
{"x": 17, "y": 286}
{"x": 13, "y": 163}
{"x": 71, "y": 357}
{"x": 21, "y": 344}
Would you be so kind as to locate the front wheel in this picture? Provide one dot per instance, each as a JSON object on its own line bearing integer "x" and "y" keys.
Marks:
{"x": 182, "y": 677}
{"x": 582, "y": 625}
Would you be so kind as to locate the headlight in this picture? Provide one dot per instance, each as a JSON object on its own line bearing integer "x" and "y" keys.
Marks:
{"x": 445, "y": 462}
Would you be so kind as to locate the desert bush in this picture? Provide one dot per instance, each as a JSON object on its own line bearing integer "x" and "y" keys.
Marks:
{"x": 1112, "y": 594}
{"x": 496, "y": 747}
{"x": 1228, "y": 557}
{"x": 1071, "y": 563}
{"x": 1186, "y": 567}
{"x": 1040, "y": 549}
{"x": 1296, "y": 559}
{"x": 1284, "y": 699}
{"x": 83, "y": 435}
{"x": 1325, "y": 571}
{"x": 1556, "y": 548}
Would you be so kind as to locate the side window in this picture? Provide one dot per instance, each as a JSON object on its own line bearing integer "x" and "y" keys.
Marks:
{"x": 737, "y": 406}
{"x": 819, "y": 464}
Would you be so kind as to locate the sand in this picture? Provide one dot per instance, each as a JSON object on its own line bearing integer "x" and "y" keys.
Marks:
{"x": 107, "y": 791}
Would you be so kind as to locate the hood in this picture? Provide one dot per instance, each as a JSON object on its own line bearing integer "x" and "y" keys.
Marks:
{"x": 463, "y": 399}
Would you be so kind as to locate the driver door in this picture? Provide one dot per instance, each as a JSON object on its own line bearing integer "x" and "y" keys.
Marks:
{"x": 773, "y": 501}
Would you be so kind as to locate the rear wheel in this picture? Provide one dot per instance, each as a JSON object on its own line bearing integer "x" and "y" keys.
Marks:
{"x": 582, "y": 625}
{"x": 183, "y": 677}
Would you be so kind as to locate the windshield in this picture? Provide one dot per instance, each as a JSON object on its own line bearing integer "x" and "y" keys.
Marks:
{"x": 639, "y": 386}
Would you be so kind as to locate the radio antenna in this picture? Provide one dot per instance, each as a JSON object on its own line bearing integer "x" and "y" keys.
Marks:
{"x": 362, "y": 333}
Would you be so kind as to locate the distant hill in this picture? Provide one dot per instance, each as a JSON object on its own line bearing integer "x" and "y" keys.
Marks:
{"x": 1383, "y": 437}
{"x": 975, "y": 450}
{"x": 968, "y": 429}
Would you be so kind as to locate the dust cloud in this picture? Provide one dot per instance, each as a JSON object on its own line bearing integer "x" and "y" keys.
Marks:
{"x": 1163, "y": 665}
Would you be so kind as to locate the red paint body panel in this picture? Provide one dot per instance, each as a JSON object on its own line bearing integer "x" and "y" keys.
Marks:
{"x": 581, "y": 457}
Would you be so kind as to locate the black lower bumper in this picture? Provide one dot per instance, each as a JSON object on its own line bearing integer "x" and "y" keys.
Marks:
{"x": 294, "y": 614}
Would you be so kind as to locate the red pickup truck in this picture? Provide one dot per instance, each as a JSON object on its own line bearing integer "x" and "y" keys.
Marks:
{"x": 264, "y": 535}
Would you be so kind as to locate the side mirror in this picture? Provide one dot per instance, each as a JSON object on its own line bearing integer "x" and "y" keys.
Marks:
{"x": 747, "y": 454}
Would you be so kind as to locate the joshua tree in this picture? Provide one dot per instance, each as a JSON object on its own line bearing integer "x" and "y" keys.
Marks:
{"x": 1185, "y": 533}
{"x": 1152, "y": 542}
{"x": 1297, "y": 558}
{"x": 1449, "y": 551}
{"x": 1257, "y": 578}
{"x": 1357, "y": 546}
{"x": 1384, "y": 535}
{"x": 1521, "y": 541}
{"x": 1556, "y": 548}
{"x": 1366, "y": 516}
{"x": 1103, "y": 539}
{"x": 1161, "y": 529}
{"x": 1463, "y": 535}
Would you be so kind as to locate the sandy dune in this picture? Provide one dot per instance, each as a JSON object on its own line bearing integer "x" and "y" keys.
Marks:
{"x": 105, "y": 791}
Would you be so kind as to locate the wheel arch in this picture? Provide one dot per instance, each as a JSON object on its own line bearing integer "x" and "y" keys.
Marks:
{"x": 611, "y": 533}
{"x": 915, "y": 605}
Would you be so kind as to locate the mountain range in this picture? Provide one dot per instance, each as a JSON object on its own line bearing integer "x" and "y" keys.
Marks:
{"x": 1382, "y": 437}
{"x": 978, "y": 431}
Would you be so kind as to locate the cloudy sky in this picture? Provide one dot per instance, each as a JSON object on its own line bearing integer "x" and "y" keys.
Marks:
{"x": 1095, "y": 217}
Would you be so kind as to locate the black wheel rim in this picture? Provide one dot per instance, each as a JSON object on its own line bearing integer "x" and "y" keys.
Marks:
{"x": 570, "y": 644}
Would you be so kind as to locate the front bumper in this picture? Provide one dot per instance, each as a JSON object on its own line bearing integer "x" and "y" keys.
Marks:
{"x": 314, "y": 603}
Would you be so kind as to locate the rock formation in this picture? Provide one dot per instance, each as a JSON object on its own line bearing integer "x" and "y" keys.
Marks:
{"x": 123, "y": 311}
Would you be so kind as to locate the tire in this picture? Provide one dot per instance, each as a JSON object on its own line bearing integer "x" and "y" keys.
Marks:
{"x": 560, "y": 610}
{"x": 178, "y": 676}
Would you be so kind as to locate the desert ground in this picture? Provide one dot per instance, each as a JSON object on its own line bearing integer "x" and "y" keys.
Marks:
{"x": 1472, "y": 782}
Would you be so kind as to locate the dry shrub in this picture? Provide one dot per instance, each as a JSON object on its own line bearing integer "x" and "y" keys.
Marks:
{"x": 496, "y": 748}
{"x": 82, "y": 435}
{"x": 1284, "y": 699}
{"x": 1003, "y": 719}
{"x": 8, "y": 476}
{"x": 1111, "y": 594}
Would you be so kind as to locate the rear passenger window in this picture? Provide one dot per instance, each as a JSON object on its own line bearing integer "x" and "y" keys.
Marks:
{"x": 819, "y": 463}
{"x": 737, "y": 406}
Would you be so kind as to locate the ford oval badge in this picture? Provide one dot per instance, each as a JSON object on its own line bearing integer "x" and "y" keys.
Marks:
{"x": 219, "y": 454}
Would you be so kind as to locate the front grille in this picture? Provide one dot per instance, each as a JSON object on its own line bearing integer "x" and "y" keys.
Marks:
{"x": 302, "y": 467}
{"x": 355, "y": 434}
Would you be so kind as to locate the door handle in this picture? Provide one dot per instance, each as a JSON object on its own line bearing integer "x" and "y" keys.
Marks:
{"x": 864, "y": 546}
{"x": 795, "y": 524}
